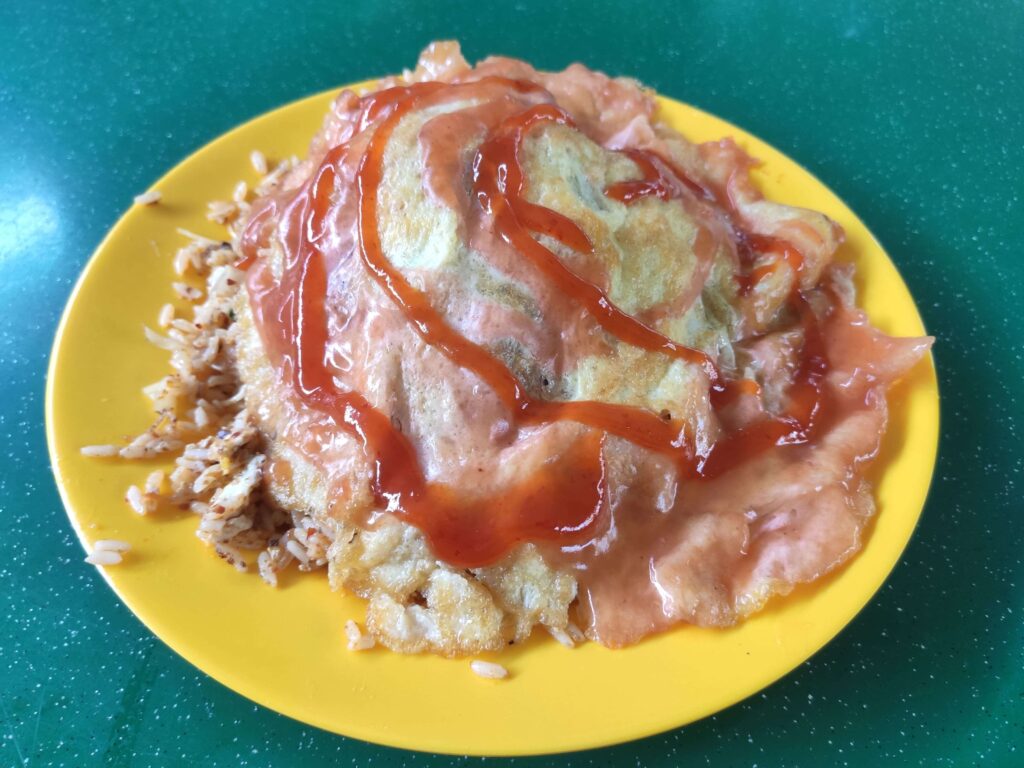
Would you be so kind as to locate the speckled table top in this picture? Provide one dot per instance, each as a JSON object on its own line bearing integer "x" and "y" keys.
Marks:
{"x": 912, "y": 111}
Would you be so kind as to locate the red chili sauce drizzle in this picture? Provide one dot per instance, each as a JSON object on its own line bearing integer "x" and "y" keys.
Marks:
{"x": 666, "y": 181}
{"x": 807, "y": 401}
{"x": 562, "y": 501}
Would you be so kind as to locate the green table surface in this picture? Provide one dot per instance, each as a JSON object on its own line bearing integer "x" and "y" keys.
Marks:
{"x": 912, "y": 112}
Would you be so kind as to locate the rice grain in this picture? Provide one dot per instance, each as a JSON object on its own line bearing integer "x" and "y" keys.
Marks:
{"x": 154, "y": 482}
{"x": 152, "y": 197}
{"x": 575, "y": 632}
{"x": 187, "y": 292}
{"x": 561, "y": 636}
{"x": 232, "y": 556}
{"x": 166, "y": 315}
{"x": 111, "y": 545}
{"x": 195, "y": 238}
{"x": 298, "y": 551}
{"x": 357, "y": 641}
{"x": 99, "y": 450}
{"x": 160, "y": 341}
{"x": 489, "y": 670}
{"x": 265, "y": 564}
{"x": 135, "y": 499}
{"x": 103, "y": 557}
{"x": 259, "y": 162}
{"x": 221, "y": 211}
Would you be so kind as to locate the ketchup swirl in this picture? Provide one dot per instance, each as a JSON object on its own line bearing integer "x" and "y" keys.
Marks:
{"x": 498, "y": 181}
{"x": 665, "y": 180}
{"x": 562, "y": 501}
{"x": 807, "y": 405}
{"x": 637, "y": 425}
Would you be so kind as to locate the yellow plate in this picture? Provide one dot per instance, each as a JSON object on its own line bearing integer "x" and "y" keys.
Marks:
{"x": 284, "y": 648}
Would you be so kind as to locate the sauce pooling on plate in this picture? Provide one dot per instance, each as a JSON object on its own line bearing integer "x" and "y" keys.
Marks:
{"x": 565, "y": 503}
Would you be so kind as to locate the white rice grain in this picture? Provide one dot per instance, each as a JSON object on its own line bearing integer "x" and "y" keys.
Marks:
{"x": 99, "y": 450}
{"x": 182, "y": 261}
{"x": 160, "y": 341}
{"x": 221, "y": 211}
{"x": 238, "y": 397}
{"x": 103, "y": 557}
{"x": 110, "y": 545}
{"x": 357, "y": 641}
{"x": 575, "y": 633}
{"x": 200, "y": 416}
{"x": 225, "y": 277}
{"x": 154, "y": 482}
{"x": 489, "y": 670}
{"x": 187, "y": 292}
{"x": 195, "y": 453}
{"x": 232, "y": 527}
{"x": 233, "y": 497}
{"x": 232, "y": 556}
{"x": 561, "y": 636}
{"x": 272, "y": 179}
{"x": 166, "y": 315}
{"x": 208, "y": 479}
{"x": 240, "y": 192}
{"x": 183, "y": 325}
{"x": 265, "y": 563}
{"x": 152, "y": 197}
{"x": 199, "y": 507}
{"x": 135, "y": 499}
{"x": 144, "y": 448}
{"x": 259, "y": 162}
{"x": 298, "y": 551}
{"x": 202, "y": 239}
{"x": 163, "y": 399}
